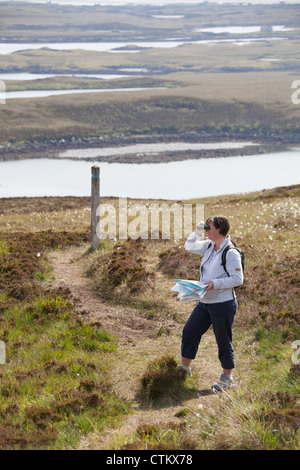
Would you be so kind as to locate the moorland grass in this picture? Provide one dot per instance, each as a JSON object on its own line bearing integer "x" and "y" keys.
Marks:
{"x": 263, "y": 410}
{"x": 56, "y": 385}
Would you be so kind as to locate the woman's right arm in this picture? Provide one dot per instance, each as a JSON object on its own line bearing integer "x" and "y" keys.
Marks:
{"x": 196, "y": 244}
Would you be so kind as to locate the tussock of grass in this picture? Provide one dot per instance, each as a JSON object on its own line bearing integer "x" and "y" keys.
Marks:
{"x": 122, "y": 270}
{"x": 122, "y": 275}
{"x": 162, "y": 381}
{"x": 161, "y": 436}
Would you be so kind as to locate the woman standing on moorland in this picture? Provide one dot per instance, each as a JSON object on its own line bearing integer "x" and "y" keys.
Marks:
{"x": 219, "y": 305}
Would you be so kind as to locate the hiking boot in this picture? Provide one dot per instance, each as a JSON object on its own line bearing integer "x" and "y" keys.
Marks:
{"x": 224, "y": 383}
{"x": 184, "y": 371}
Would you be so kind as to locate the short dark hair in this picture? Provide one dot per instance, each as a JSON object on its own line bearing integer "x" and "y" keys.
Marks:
{"x": 220, "y": 222}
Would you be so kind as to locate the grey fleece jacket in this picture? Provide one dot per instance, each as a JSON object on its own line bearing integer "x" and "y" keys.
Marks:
{"x": 211, "y": 268}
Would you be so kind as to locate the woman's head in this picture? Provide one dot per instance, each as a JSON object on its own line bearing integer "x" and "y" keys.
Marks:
{"x": 219, "y": 222}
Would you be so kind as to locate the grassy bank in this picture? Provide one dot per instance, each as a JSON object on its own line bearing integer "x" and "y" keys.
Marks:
{"x": 61, "y": 378}
{"x": 175, "y": 110}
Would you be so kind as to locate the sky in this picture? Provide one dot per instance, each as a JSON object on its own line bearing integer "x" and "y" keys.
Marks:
{"x": 151, "y": 2}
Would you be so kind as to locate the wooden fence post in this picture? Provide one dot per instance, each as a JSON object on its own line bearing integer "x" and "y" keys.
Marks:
{"x": 95, "y": 201}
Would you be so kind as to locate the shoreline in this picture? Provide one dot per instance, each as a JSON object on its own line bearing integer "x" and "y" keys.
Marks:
{"x": 52, "y": 149}
{"x": 61, "y": 203}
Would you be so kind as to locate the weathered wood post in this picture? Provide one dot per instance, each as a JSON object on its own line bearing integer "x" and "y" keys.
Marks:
{"x": 95, "y": 201}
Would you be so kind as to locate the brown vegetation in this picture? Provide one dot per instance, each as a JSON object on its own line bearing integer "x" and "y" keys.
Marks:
{"x": 20, "y": 257}
{"x": 177, "y": 263}
{"x": 123, "y": 271}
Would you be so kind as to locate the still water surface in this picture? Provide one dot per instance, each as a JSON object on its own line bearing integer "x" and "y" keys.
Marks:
{"x": 45, "y": 93}
{"x": 24, "y": 76}
{"x": 117, "y": 47}
{"x": 174, "y": 180}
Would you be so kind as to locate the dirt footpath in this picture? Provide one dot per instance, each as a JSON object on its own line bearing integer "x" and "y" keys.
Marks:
{"x": 138, "y": 344}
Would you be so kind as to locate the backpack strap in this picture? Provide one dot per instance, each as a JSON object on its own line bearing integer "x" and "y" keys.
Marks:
{"x": 232, "y": 247}
{"x": 224, "y": 257}
{"x": 228, "y": 247}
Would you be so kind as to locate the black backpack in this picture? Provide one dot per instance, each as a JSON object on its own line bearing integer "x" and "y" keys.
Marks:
{"x": 232, "y": 246}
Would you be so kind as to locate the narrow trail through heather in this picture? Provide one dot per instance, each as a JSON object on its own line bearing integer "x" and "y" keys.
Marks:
{"x": 138, "y": 344}
{"x": 69, "y": 271}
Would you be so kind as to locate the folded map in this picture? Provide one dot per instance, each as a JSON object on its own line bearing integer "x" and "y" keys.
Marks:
{"x": 189, "y": 290}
